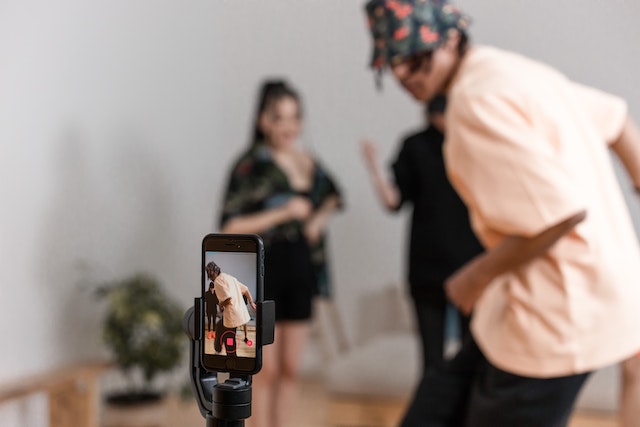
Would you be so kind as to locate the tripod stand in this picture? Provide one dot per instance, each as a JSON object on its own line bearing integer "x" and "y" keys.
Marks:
{"x": 228, "y": 403}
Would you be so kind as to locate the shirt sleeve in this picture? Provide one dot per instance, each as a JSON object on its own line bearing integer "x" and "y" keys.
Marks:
{"x": 245, "y": 190}
{"x": 223, "y": 287}
{"x": 509, "y": 175}
{"x": 607, "y": 112}
{"x": 401, "y": 168}
{"x": 324, "y": 186}
{"x": 244, "y": 289}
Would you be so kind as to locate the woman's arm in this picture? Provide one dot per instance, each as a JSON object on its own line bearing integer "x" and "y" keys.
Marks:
{"x": 317, "y": 222}
{"x": 296, "y": 208}
{"x": 466, "y": 285}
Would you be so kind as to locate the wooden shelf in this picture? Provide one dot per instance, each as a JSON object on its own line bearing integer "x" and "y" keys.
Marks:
{"x": 73, "y": 393}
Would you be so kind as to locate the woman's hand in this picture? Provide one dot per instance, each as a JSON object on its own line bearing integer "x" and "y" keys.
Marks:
{"x": 313, "y": 231}
{"x": 298, "y": 207}
{"x": 315, "y": 225}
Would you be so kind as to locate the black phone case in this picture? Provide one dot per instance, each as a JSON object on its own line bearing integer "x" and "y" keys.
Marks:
{"x": 225, "y": 363}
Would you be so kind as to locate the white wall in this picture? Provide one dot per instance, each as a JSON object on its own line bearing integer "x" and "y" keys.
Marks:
{"x": 107, "y": 110}
{"x": 119, "y": 119}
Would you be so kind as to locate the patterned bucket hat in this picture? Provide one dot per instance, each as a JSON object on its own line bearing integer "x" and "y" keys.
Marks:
{"x": 401, "y": 28}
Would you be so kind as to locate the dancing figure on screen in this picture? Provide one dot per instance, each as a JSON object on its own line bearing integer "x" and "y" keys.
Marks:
{"x": 231, "y": 295}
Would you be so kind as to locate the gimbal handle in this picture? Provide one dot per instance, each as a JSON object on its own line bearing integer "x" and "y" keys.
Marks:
{"x": 225, "y": 404}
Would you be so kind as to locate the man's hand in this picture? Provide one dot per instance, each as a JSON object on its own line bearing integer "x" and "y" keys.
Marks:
{"x": 465, "y": 287}
{"x": 225, "y": 303}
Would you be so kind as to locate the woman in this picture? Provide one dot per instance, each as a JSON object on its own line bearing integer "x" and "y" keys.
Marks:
{"x": 279, "y": 191}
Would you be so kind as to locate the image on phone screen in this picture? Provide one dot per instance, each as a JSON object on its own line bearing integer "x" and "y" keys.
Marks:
{"x": 230, "y": 295}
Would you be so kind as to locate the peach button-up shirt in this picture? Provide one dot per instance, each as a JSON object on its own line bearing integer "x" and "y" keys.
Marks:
{"x": 526, "y": 149}
{"x": 236, "y": 313}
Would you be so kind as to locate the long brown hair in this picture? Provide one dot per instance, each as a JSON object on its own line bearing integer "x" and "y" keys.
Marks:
{"x": 271, "y": 92}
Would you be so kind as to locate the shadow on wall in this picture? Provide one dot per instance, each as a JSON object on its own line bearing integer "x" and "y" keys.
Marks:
{"x": 111, "y": 215}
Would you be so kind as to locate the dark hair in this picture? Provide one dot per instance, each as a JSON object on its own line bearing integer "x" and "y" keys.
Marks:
{"x": 212, "y": 269}
{"x": 437, "y": 104}
{"x": 270, "y": 92}
{"x": 463, "y": 44}
{"x": 422, "y": 60}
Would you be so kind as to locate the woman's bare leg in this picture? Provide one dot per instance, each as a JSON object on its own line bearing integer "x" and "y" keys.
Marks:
{"x": 264, "y": 388}
{"x": 293, "y": 336}
{"x": 630, "y": 399}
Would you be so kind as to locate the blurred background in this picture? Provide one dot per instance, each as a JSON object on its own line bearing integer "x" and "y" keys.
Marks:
{"x": 119, "y": 121}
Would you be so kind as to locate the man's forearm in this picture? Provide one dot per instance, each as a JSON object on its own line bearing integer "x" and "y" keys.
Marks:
{"x": 516, "y": 251}
{"x": 467, "y": 285}
{"x": 387, "y": 194}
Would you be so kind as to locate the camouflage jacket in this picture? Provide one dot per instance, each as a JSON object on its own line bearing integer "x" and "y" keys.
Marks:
{"x": 258, "y": 183}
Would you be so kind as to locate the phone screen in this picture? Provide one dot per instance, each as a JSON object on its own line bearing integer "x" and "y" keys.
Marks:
{"x": 231, "y": 288}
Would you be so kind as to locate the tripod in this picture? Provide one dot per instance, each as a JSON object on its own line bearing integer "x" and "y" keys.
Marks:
{"x": 228, "y": 403}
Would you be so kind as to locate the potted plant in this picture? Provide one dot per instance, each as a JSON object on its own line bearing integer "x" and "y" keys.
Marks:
{"x": 143, "y": 330}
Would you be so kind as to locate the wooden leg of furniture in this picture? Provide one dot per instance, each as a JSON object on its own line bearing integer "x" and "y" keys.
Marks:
{"x": 366, "y": 412}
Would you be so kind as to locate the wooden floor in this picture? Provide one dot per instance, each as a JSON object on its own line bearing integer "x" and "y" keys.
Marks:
{"x": 315, "y": 409}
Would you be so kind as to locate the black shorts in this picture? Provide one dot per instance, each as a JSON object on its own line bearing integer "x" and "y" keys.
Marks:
{"x": 289, "y": 279}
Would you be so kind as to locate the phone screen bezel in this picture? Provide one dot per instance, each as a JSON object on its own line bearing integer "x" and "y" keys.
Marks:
{"x": 242, "y": 243}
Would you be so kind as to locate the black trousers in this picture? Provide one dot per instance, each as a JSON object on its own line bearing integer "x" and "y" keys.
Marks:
{"x": 431, "y": 315}
{"x": 225, "y": 337}
{"x": 468, "y": 391}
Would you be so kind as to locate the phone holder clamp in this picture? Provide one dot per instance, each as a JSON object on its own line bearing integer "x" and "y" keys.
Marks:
{"x": 228, "y": 403}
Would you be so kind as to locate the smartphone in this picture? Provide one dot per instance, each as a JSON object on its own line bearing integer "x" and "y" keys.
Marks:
{"x": 232, "y": 289}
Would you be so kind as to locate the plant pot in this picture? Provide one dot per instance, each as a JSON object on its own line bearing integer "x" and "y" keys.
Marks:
{"x": 143, "y": 409}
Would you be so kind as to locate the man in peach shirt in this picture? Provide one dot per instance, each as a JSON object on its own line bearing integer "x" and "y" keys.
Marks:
{"x": 555, "y": 295}
{"x": 230, "y": 294}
